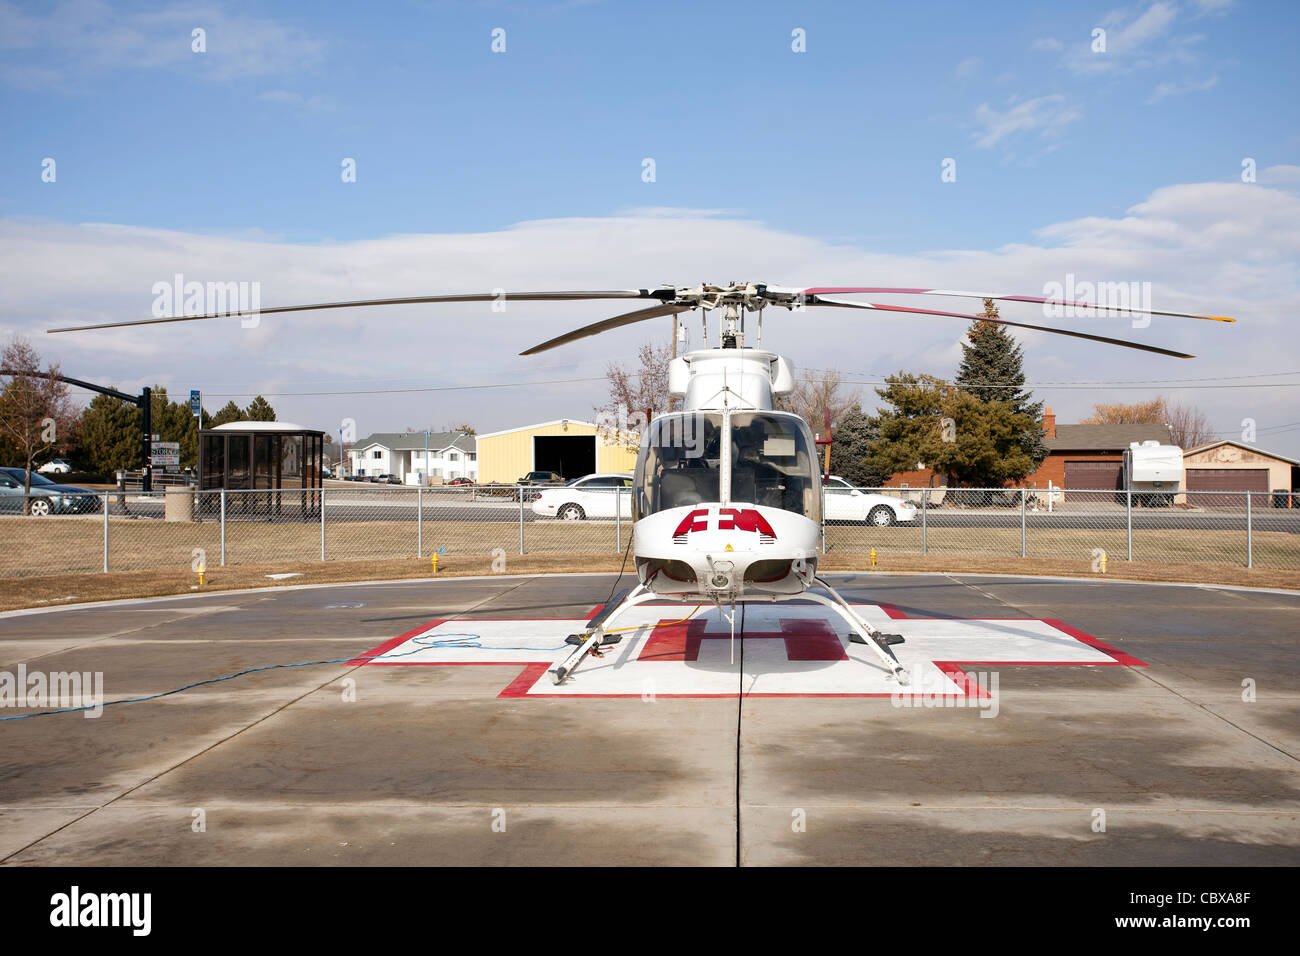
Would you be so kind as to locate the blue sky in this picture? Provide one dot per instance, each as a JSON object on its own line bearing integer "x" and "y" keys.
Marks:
{"x": 840, "y": 145}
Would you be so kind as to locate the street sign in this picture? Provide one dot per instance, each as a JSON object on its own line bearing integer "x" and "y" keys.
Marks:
{"x": 166, "y": 453}
{"x": 196, "y": 401}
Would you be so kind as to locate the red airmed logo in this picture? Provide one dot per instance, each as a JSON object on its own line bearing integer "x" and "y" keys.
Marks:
{"x": 729, "y": 519}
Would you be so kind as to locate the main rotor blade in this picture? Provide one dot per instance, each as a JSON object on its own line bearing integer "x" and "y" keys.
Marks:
{"x": 840, "y": 303}
{"x": 366, "y": 303}
{"x": 998, "y": 297}
{"x": 627, "y": 318}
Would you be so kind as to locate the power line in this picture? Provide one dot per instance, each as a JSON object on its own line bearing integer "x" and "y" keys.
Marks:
{"x": 1132, "y": 381}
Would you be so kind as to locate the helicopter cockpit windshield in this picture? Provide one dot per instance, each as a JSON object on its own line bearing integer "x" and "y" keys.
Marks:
{"x": 771, "y": 457}
{"x": 774, "y": 463}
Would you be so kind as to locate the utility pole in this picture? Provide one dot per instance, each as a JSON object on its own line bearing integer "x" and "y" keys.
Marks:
{"x": 146, "y": 407}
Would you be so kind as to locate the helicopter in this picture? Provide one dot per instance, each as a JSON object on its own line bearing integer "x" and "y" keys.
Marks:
{"x": 727, "y": 492}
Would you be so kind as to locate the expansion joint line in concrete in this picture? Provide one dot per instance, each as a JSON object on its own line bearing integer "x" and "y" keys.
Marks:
{"x": 1144, "y": 672}
{"x": 218, "y": 743}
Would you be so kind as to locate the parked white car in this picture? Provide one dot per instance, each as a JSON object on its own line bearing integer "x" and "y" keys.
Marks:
{"x": 59, "y": 466}
{"x": 847, "y": 503}
{"x": 593, "y": 496}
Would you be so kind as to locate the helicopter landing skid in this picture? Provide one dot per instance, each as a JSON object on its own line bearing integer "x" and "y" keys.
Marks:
{"x": 597, "y": 633}
{"x": 861, "y": 632}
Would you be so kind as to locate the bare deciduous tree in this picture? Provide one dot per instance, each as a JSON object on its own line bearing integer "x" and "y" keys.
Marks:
{"x": 814, "y": 392}
{"x": 637, "y": 392}
{"x": 1187, "y": 424}
{"x": 36, "y": 414}
{"x": 1139, "y": 413}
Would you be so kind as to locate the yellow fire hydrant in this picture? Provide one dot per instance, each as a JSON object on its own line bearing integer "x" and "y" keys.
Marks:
{"x": 873, "y": 557}
{"x": 434, "y": 561}
{"x": 202, "y": 568}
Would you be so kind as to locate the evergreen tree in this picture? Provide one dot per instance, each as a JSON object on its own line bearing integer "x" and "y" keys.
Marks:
{"x": 992, "y": 371}
{"x": 229, "y": 412}
{"x": 259, "y": 410}
{"x": 933, "y": 424}
{"x": 853, "y": 435}
{"x": 110, "y": 436}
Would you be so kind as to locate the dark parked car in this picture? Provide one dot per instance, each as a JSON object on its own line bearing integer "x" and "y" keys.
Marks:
{"x": 48, "y": 497}
{"x": 538, "y": 479}
{"x": 461, "y": 481}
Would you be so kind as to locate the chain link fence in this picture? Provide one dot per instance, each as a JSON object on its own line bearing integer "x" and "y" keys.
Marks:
{"x": 122, "y": 531}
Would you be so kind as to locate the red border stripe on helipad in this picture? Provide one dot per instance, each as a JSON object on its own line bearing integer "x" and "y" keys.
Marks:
{"x": 393, "y": 642}
{"x": 532, "y": 672}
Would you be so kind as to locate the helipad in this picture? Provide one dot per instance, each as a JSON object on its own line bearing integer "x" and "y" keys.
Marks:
{"x": 791, "y": 650}
{"x": 1134, "y": 724}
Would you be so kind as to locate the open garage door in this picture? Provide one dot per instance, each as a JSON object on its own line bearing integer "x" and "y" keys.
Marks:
{"x": 569, "y": 455}
{"x": 1226, "y": 479}
{"x": 1082, "y": 477}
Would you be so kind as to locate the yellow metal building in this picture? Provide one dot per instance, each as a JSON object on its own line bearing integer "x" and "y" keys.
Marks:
{"x": 568, "y": 446}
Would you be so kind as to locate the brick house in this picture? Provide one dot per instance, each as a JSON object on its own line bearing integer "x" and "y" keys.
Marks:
{"x": 1079, "y": 456}
{"x": 1089, "y": 457}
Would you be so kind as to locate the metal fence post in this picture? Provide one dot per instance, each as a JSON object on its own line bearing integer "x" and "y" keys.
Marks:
{"x": 105, "y": 533}
{"x": 925, "y": 506}
{"x": 521, "y": 518}
{"x": 1022, "y": 522}
{"x": 322, "y": 523}
{"x": 1128, "y": 511}
{"x": 223, "y": 527}
{"x": 1250, "y": 555}
{"x": 419, "y": 522}
{"x": 618, "y": 520}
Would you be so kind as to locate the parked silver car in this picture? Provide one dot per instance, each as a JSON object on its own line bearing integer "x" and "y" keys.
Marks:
{"x": 48, "y": 497}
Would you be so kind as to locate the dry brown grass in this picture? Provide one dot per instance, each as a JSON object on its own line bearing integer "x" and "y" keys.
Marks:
{"x": 150, "y": 557}
{"x": 66, "y": 588}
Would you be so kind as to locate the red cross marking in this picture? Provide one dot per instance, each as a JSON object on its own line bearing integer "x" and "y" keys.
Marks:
{"x": 805, "y": 640}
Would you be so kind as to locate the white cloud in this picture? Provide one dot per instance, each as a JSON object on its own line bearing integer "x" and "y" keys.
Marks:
{"x": 77, "y": 40}
{"x": 1284, "y": 177}
{"x": 1164, "y": 90}
{"x": 673, "y": 212}
{"x": 1216, "y": 248}
{"x": 1047, "y": 115}
{"x": 1153, "y": 23}
{"x": 968, "y": 67}
{"x": 1135, "y": 41}
{"x": 1046, "y": 45}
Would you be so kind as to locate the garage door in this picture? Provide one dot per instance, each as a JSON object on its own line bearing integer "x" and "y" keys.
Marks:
{"x": 1104, "y": 476}
{"x": 569, "y": 455}
{"x": 1226, "y": 479}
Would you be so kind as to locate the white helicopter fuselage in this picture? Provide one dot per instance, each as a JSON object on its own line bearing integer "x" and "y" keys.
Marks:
{"x": 727, "y": 494}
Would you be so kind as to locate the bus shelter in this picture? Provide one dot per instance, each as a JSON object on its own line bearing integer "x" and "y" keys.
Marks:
{"x": 268, "y": 469}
